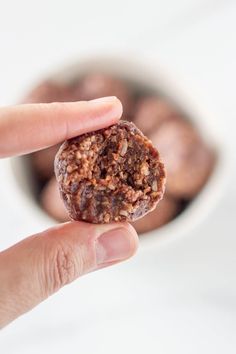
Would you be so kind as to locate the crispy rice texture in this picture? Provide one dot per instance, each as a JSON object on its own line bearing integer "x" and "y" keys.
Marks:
{"x": 113, "y": 174}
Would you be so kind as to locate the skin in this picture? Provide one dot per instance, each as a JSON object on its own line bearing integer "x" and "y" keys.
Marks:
{"x": 41, "y": 264}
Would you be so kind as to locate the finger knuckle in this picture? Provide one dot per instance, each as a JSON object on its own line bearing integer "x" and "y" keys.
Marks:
{"x": 63, "y": 267}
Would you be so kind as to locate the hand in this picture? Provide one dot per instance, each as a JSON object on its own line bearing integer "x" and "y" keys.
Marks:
{"x": 38, "y": 266}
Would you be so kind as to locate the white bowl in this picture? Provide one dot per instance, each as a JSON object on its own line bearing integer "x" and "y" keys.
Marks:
{"x": 152, "y": 78}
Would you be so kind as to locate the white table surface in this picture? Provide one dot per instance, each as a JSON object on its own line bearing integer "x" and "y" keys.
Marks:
{"x": 177, "y": 299}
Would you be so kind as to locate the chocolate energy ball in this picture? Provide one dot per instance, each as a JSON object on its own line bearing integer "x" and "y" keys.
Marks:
{"x": 48, "y": 92}
{"x": 100, "y": 85}
{"x": 43, "y": 162}
{"x": 165, "y": 211}
{"x": 113, "y": 174}
{"x": 51, "y": 202}
{"x": 151, "y": 112}
{"x": 187, "y": 158}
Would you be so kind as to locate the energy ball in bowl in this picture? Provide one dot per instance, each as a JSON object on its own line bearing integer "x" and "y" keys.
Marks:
{"x": 43, "y": 162}
{"x": 97, "y": 85}
{"x": 187, "y": 158}
{"x": 151, "y": 112}
{"x": 165, "y": 211}
{"x": 113, "y": 174}
{"x": 51, "y": 202}
{"x": 47, "y": 92}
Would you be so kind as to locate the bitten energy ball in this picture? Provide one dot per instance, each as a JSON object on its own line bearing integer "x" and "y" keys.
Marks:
{"x": 113, "y": 174}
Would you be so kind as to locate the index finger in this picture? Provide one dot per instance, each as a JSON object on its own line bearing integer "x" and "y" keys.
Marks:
{"x": 30, "y": 127}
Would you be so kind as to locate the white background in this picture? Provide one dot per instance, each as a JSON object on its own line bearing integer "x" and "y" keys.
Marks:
{"x": 177, "y": 299}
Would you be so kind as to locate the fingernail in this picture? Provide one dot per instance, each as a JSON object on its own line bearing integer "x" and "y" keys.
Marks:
{"x": 101, "y": 100}
{"x": 115, "y": 245}
{"x": 108, "y": 107}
